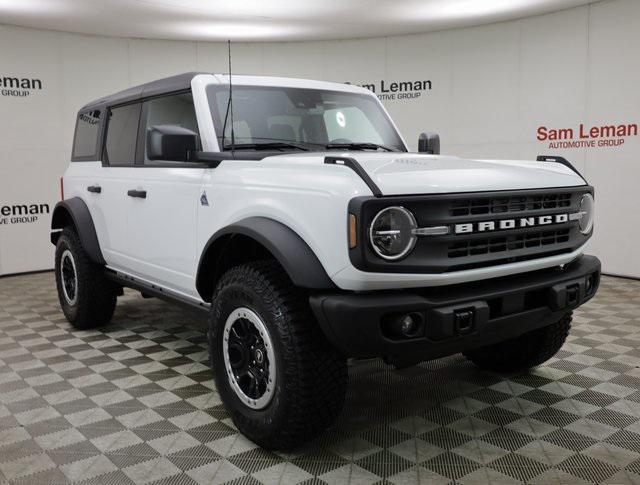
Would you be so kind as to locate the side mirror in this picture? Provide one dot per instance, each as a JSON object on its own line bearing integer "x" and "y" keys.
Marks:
{"x": 171, "y": 142}
{"x": 429, "y": 143}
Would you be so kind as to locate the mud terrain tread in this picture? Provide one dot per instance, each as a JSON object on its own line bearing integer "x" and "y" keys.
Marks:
{"x": 315, "y": 373}
{"x": 96, "y": 294}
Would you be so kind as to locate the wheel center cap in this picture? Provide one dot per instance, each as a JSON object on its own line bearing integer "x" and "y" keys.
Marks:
{"x": 258, "y": 356}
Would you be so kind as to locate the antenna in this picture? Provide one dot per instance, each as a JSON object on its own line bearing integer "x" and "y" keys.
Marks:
{"x": 229, "y": 107}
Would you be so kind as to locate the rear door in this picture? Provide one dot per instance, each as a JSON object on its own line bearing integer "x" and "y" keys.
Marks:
{"x": 163, "y": 201}
{"x": 106, "y": 194}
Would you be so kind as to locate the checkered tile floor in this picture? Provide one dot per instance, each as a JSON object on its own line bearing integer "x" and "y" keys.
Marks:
{"x": 134, "y": 403}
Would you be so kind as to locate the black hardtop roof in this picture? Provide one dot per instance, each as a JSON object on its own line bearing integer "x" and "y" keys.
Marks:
{"x": 166, "y": 85}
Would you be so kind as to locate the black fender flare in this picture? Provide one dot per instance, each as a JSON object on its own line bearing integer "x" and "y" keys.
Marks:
{"x": 75, "y": 212}
{"x": 287, "y": 247}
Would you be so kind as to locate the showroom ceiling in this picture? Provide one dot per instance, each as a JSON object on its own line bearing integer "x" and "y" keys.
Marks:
{"x": 265, "y": 20}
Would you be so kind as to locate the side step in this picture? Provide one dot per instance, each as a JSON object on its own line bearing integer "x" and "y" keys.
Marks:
{"x": 149, "y": 290}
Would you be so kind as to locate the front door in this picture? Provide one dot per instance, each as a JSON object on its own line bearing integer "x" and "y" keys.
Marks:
{"x": 163, "y": 198}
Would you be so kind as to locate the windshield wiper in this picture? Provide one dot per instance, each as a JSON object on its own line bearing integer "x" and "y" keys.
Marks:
{"x": 275, "y": 145}
{"x": 359, "y": 146}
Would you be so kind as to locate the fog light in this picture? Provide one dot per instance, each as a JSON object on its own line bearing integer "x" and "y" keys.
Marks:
{"x": 405, "y": 326}
{"x": 408, "y": 325}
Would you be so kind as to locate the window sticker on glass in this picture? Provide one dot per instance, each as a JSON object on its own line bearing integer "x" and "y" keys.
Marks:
{"x": 340, "y": 119}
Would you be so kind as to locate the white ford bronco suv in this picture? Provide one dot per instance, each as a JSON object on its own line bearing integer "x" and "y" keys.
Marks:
{"x": 296, "y": 217}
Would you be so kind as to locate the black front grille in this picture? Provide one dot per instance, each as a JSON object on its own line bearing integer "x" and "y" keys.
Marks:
{"x": 505, "y": 205}
{"x": 506, "y": 244}
{"x": 527, "y": 237}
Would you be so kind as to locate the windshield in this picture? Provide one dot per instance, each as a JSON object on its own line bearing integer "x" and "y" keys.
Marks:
{"x": 304, "y": 119}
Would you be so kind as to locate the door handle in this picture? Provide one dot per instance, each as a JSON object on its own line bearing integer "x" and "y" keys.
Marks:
{"x": 94, "y": 189}
{"x": 140, "y": 194}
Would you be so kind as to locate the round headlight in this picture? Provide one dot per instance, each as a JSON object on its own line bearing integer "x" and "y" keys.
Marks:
{"x": 391, "y": 233}
{"x": 587, "y": 210}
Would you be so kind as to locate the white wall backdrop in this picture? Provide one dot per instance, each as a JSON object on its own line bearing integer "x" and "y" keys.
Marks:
{"x": 492, "y": 87}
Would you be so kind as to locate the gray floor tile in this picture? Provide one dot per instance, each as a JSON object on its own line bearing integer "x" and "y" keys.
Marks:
{"x": 134, "y": 402}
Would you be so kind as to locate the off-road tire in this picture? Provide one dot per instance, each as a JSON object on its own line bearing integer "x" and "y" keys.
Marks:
{"x": 311, "y": 376}
{"x": 524, "y": 352}
{"x": 96, "y": 296}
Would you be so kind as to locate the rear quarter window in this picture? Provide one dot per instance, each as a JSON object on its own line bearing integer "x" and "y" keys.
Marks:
{"x": 85, "y": 140}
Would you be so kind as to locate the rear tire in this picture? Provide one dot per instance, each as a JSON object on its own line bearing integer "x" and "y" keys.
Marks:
{"x": 278, "y": 376}
{"x": 524, "y": 352}
{"x": 87, "y": 297}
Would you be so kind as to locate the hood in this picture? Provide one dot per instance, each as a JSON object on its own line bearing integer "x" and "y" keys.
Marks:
{"x": 413, "y": 173}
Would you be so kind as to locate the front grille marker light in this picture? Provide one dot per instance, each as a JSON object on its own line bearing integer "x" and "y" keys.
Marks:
{"x": 432, "y": 231}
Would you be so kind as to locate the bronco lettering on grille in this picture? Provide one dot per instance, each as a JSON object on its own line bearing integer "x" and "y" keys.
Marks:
{"x": 503, "y": 224}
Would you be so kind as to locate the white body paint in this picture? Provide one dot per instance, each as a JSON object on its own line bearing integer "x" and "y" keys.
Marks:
{"x": 160, "y": 239}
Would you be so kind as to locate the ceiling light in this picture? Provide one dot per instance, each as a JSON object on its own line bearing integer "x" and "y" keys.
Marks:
{"x": 33, "y": 7}
{"x": 464, "y": 9}
{"x": 232, "y": 30}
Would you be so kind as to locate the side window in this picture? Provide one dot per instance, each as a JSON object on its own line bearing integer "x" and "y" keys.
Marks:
{"x": 122, "y": 134}
{"x": 85, "y": 140}
{"x": 176, "y": 109}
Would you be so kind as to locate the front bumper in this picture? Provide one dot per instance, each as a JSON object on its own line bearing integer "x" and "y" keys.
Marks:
{"x": 453, "y": 318}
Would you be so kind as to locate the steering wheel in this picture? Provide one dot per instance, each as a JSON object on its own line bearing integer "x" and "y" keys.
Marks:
{"x": 340, "y": 140}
